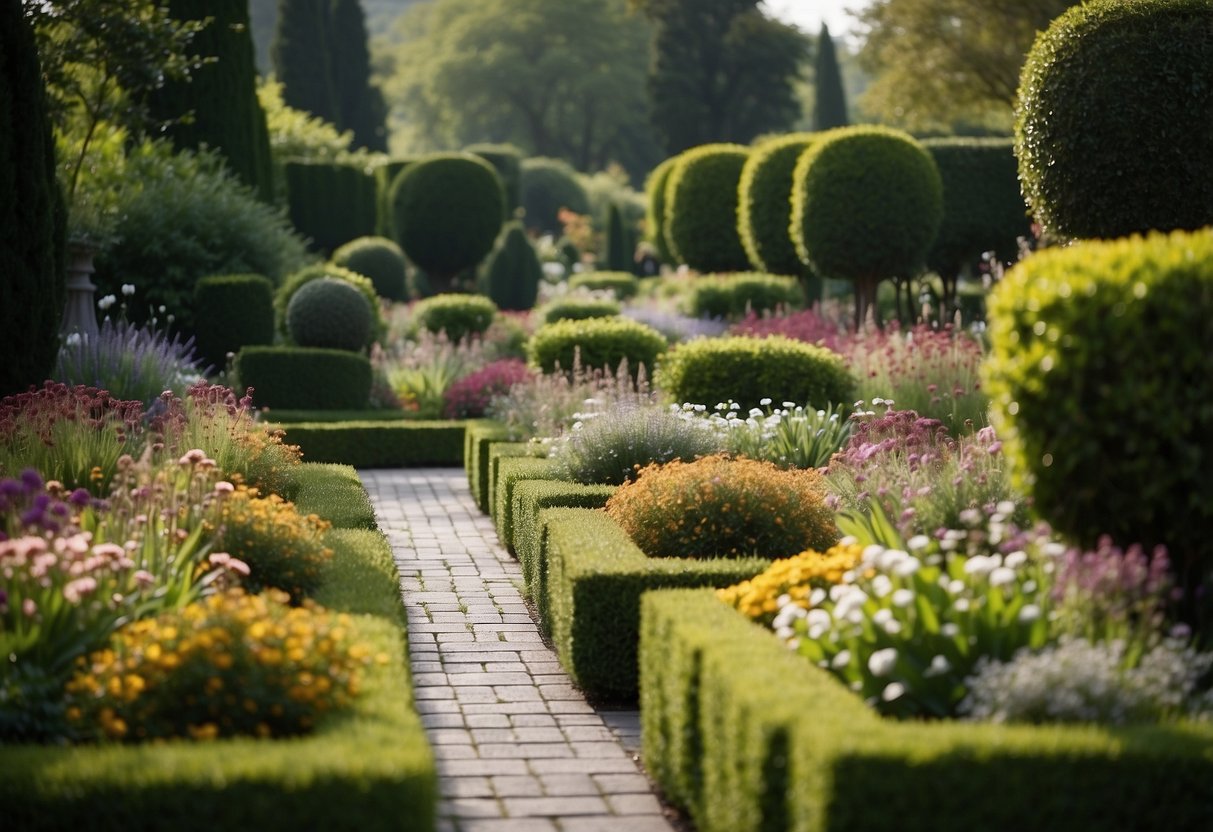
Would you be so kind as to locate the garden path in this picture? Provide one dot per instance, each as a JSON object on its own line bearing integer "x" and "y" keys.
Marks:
{"x": 518, "y": 747}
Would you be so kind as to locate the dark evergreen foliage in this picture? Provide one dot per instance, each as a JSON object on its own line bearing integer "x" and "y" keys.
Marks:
{"x": 330, "y": 202}
{"x": 617, "y": 253}
{"x": 360, "y": 104}
{"x": 513, "y": 271}
{"x": 830, "y": 105}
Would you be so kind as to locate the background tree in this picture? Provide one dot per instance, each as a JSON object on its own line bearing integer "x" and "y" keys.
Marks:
{"x": 830, "y": 102}
{"x": 217, "y": 105}
{"x": 719, "y": 71}
{"x": 302, "y": 59}
{"x": 939, "y": 62}
{"x": 360, "y": 104}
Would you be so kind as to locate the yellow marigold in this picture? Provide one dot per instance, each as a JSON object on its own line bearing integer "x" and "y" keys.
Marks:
{"x": 795, "y": 577}
{"x": 283, "y": 548}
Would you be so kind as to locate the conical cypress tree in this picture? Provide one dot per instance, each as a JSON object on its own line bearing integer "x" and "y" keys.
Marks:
{"x": 830, "y": 107}
{"x": 302, "y": 57}
{"x": 32, "y": 219}
{"x": 361, "y": 105}
{"x": 222, "y": 94}
{"x": 617, "y": 259}
{"x": 513, "y": 271}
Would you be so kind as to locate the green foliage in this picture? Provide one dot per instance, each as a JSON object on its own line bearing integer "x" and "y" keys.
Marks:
{"x": 733, "y": 296}
{"x": 830, "y": 102}
{"x": 701, "y": 208}
{"x": 747, "y": 370}
{"x": 577, "y": 308}
{"x": 361, "y": 577}
{"x": 654, "y": 216}
{"x": 459, "y": 316}
{"x": 379, "y": 259}
{"x": 1112, "y": 131}
{"x": 297, "y": 280}
{"x": 513, "y": 271}
{"x": 329, "y": 313}
{"x": 385, "y": 176}
{"x": 511, "y": 471}
{"x": 232, "y": 311}
{"x": 507, "y": 161}
{"x": 548, "y": 185}
{"x": 379, "y": 444}
{"x": 618, "y": 256}
{"x": 333, "y": 493}
{"x": 600, "y": 343}
{"x": 184, "y": 217}
{"x": 480, "y": 435}
{"x": 624, "y": 284}
{"x": 1098, "y": 379}
{"x": 360, "y": 105}
{"x": 447, "y": 209}
{"x": 764, "y": 203}
{"x": 332, "y": 203}
{"x": 303, "y": 59}
{"x": 503, "y": 453}
{"x": 31, "y": 214}
{"x": 305, "y": 378}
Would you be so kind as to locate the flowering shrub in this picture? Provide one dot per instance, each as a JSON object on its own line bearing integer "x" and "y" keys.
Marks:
{"x": 469, "y": 397}
{"x": 420, "y": 371}
{"x": 283, "y": 548}
{"x": 717, "y": 506}
{"x": 808, "y": 325}
{"x": 790, "y": 580}
{"x": 230, "y": 664}
{"x": 789, "y": 436}
{"x": 132, "y": 362}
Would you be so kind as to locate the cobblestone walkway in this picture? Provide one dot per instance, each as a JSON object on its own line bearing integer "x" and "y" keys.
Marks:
{"x": 518, "y": 747}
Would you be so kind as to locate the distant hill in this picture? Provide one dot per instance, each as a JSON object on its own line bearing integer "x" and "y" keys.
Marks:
{"x": 263, "y": 14}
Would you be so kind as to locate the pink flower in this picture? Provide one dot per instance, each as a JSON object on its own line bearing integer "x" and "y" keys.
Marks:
{"x": 224, "y": 487}
{"x": 144, "y": 579}
{"x": 75, "y": 590}
{"x": 28, "y": 608}
{"x": 192, "y": 457}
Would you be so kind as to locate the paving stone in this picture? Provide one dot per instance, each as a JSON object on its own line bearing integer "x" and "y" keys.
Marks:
{"x": 554, "y": 806}
{"x": 511, "y": 786}
{"x": 634, "y": 804}
{"x": 608, "y": 823}
{"x": 529, "y": 824}
{"x": 567, "y": 785}
{"x": 470, "y": 807}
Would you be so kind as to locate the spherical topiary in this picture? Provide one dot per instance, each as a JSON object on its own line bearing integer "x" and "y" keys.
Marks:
{"x": 600, "y": 343}
{"x": 1114, "y": 124}
{"x": 866, "y": 205}
{"x": 547, "y": 186}
{"x": 507, "y": 161}
{"x": 701, "y": 208}
{"x": 457, "y": 315}
{"x": 379, "y": 259}
{"x": 654, "y": 217}
{"x": 721, "y": 507}
{"x": 764, "y": 204}
{"x": 330, "y": 314}
{"x": 447, "y": 209}
{"x": 578, "y": 308}
{"x": 299, "y": 279}
{"x": 1100, "y": 388}
{"x": 734, "y": 295}
{"x": 623, "y": 284}
{"x": 747, "y": 370}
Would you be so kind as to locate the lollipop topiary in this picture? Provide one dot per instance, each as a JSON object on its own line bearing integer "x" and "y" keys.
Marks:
{"x": 547, "y": 186}
{"x": 331, "y": 314}
{"x": 701, "y": 208}
{"x": 654, "y": 218}
{"x": 764, "y": 204}
{"x": 378, "y": 259}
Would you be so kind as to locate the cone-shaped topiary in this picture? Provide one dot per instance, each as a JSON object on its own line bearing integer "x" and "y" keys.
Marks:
{"x": 1114, "y": 127}
{"x": 617, "y": 256}
{"x": 513, "y": 271}
{"x": 378, "y": 259}
{"x": 447, "y": 209}
{"x": 764, "y": 204}
{"x": 701, "y": 208}
{"x": 331, "y": 314}
{"x": 654, "y": 217}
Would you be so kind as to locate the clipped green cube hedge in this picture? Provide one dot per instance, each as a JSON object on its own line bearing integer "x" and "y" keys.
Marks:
{"x": 596, "y": 576}
{"x": 509, "y": 471}
{"x": 335, "y": 493}
{"x": 379, "y": 444}
{"x": 479, "y": 434}
{"x": 749, "y": 736}
{"x": 305, "y": 378}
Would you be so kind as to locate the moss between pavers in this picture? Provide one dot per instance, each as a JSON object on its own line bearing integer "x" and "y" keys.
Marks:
{"x": 479, "y": 435}
{"x": 596, "y": 575}
{"x": 381, "y": 444}
{"x": 749, "y": 736}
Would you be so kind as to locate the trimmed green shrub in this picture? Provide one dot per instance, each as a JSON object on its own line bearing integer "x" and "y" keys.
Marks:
{"x": 866, "y": 205}
{"x": 334, "y": 493}
{"x": 447, "y": 209}
{"x": 654, "y": 217}
{"x": 618, "y": 254}
{"x": 747, "y": 370}
{"x": 596, "y": 577}
{"x": 764, "y": 204}
{"x": 547, "y": 186}
{"x": 480, "y": 435}
{"x": 379, "y": 444}
{"x": 1100, "y": 387}
{"x": 513, "y": 271}
{"x": 733, "y": 296}
{"x": 305, "y": 378}
{"x": 297, "y": 280}
{"x": 361, "y": 577}
{"x": 600, "y": 342}
{"x": 1112, "y": 132}
{"x": 330, "y": 202}
{"x": 378, "y": 259}
{"x": 385, "y": 176}
{"x": 457, "y": 315}
{"x": 329, "y": 313}
{"x": 233, "y": 311}
{"x": 748, "y": 735}
{"x": 624, "y": 284}
{"x": 507, "y": 161}
{"x": 497, "y": 453}
{"x": 512, "y": 470}
{"x": 701, "y": 208}
{"x": 362, "y": 415}
{"x": 575, "y": 308}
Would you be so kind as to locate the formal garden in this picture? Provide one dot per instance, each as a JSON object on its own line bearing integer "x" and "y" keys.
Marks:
{"x": 873, "y": 469}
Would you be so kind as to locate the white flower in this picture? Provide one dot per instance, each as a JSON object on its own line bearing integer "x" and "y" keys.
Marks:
{"x": 980, "y": 565}
{"x": 881, "y": 586}
{"x": 892, "y": 626}
{"x": 817, "y": 596}
{"x": 891, "y": 559}
{"x": 956, "y": 587}
{"x": 106, "y": 302}
{"x": 1028, "y": 613}
{"x": 962, "y": 605}
{"x": 128, "y": 289}
{"x": 939, "y": 666}
{"x": 1015, "y": 559}
{"x": 882, "y": 662}
{"x": 1002, "y": 576}
{"x": 949, "y": 630}
{"x": 841, "y": 659}
{"x": 72, "y": 340}
{"x": 783, "y": 600}
{"x": 882, "y": 617}
{"x": 907, "y": 567}
{"x": 789, "y": 405}
{"x": 764, "y": 402}
{"x": 818, "y": 618}
{"x": 918, "y": 541}
{"x": 1005, "y": 507}
{"x": 872, "y": 552}
{"x": 903, "y": 598}
{"x": 893, "y": 690}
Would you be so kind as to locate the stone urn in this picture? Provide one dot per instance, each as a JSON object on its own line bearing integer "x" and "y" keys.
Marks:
{"x": 80, "y": 312}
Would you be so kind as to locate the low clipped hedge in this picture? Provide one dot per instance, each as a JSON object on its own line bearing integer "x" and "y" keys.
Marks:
{"x": 747, "y": 370}
{"x": 624, "y": 284}
{"x": 764, "y": 204}
{"x": 600, "y": 342}
{"x": 732, "y": 296}
{"x": 498, "y": 451}
{"x": 749, "y": 736}
{"x": 457, "y": 315}
{"x": 281, "y": 415}
{"x": 596, "y": 576}
{"x": 701, "y": 208}
{"x": 335, "y": 493}
{"x": 232, "y": 311}
{"x": 511, "y": 470}
{"x": 479, "y": 435}
{"x": 379, "y": 444}
{"x": 305, "y": 378}
{"x": 574, "y": 308}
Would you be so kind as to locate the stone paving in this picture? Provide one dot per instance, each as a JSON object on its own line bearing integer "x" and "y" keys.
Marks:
{"x": 518, "y": 747}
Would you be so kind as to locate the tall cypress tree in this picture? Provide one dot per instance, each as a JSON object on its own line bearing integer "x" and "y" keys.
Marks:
{"x": 303, "y": 58}
{"x": 32, "y": 219}
{"x": 830, "y": 106}
{"x": 221, "y": 95}
{"x": 361, "y": 105}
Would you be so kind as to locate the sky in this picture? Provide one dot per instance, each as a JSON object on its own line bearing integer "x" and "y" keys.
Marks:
{"x": 809, "y": 14}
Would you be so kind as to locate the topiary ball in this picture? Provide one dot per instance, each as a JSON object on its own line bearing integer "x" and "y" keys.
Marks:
{"x": 299, "y": 279}
{"x": 547, "y": 186}
{"x": 447, "y": 210}
{"x": 597, "y": 343}
{"x": 378, "y": 259}
{"x": 459, "y": 316}
{"x": 733, "y": 296}
{"x": 330, "y": 314}
{"x": 764, "y": 204}
{"x": 623, "y": 284}
{"x": 576, "y": 308}
{"x": 1114, "y": 121}
{"x": 701, "y": 208}
{"x": 1100, "y": 388}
